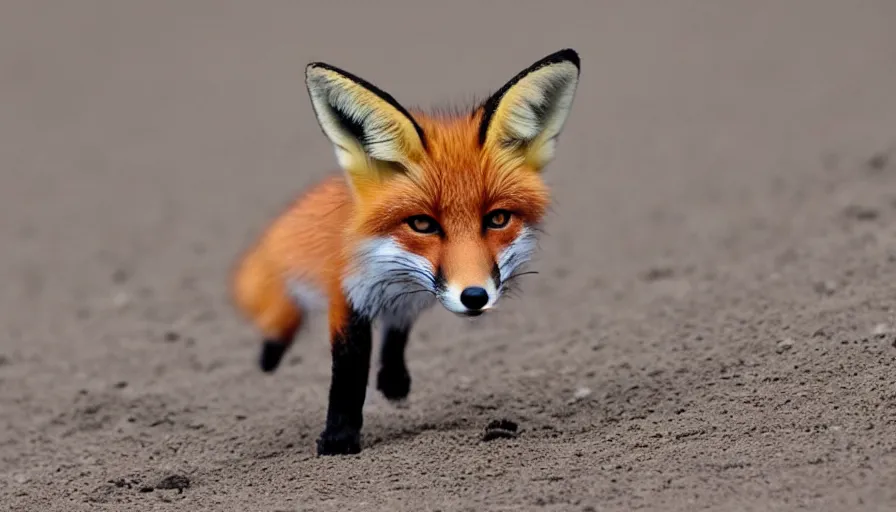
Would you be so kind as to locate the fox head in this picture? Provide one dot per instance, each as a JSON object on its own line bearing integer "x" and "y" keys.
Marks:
{"x": 448, "y": 204}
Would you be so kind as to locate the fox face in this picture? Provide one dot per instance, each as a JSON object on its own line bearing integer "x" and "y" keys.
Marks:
{"x": 446, "y": 206}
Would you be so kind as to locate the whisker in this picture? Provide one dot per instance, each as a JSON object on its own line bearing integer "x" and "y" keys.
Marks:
{"x": 393, "y": 300}
{"x": 412, "y": 292}
{"x": 518, "y": 274}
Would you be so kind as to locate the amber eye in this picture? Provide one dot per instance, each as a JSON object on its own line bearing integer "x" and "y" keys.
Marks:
{"x": 497, "y": 219}
{"x": 423, "y": 224}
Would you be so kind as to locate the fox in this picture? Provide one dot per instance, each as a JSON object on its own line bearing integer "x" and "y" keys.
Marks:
{"x": 427, "y": 207}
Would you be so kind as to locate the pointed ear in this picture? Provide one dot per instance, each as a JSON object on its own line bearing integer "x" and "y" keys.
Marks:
{"x": 369, "y": 129}
{"x": 522, "y": 120}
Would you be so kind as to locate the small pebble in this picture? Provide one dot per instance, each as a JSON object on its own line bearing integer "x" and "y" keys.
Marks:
{"x": 878, "y": 162}
{"x": 881, "y": 329}
{"x": 121, "y": 300}
{"x": 784, "y": 345}
{"x": 826, "y": 287}
{"x": 178, "y": 482}
{"x": 859, "y": 212}
{"x": 582, "y": 393}
{"x": 120, "y": 276}
{"x": 658, "y": 273}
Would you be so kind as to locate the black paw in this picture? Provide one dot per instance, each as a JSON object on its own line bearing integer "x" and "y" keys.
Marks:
{"x": 394, "y": 382}
{"x": 271, "y": 354}
{"x": 345, "y": 441}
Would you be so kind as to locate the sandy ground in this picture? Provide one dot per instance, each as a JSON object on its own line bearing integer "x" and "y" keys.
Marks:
{"x": 712, "y": 326}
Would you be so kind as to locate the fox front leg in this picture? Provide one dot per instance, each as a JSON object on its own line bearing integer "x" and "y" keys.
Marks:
{"x": 351, "y": 347}
{"x": 393, "y": 379}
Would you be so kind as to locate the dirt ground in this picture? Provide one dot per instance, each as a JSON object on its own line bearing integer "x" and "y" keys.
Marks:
{"x": 712, "y": 328}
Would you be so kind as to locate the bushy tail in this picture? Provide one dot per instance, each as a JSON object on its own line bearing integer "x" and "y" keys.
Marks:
{"x": 260, "y": 293}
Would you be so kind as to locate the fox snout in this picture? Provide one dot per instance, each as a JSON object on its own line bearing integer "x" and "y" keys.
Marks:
{"x": 469, "y": 277}
{"x": 470, "y": 299}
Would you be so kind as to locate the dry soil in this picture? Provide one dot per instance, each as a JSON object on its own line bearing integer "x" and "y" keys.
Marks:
{"x": 713, "y": 324}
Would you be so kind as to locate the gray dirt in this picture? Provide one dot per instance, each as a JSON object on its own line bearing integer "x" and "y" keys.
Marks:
{"x": 712, "y": 327}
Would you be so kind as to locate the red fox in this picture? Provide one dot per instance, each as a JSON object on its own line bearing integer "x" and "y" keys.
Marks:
{"x": 439, "y": 207}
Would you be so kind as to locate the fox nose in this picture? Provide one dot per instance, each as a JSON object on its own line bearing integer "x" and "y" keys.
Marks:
{"x": 474, "y": 297}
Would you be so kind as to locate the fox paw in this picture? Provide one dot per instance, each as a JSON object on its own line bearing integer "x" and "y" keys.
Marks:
{"x": 345, "y": 441}
{"x": 394, "y": 383}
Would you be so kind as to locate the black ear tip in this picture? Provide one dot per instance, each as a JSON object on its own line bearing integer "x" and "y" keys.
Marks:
{"x": 564, "y": 55}
{"x": 312, "y": 66}
{"x": 567, "y": 54}
{"x": 317, "y": 65}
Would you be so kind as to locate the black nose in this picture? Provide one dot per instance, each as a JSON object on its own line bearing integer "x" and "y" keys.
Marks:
{"x": 474, "y": 297}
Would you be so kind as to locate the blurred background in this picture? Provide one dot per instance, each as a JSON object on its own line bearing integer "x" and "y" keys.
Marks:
{"x": 711, "y": 323}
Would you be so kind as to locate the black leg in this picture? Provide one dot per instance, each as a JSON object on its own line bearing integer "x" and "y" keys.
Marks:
{"x": 393, "y": 379}
{"x": 272, "y": 352}
{"x": 348, "y": 386}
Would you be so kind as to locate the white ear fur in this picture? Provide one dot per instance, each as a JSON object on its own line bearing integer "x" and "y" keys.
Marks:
{"x": 364, "y": 123}
{"x": 525, "y": 117}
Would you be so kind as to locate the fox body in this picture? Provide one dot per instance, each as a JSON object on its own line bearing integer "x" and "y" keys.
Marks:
{"x": 429, "y": 208}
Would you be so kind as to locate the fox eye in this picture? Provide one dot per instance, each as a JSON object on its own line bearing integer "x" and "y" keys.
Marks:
{"x": 423, "y": 224}
{"x": 497, "y": 219}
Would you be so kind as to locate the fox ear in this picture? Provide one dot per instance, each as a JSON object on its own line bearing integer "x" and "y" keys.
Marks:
{"x": 523, "y": 119}
{"x": 369, "y": 129}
